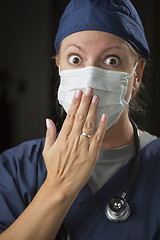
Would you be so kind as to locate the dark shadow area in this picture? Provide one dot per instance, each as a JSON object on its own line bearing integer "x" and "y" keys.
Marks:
{"x": 29, "y": 77}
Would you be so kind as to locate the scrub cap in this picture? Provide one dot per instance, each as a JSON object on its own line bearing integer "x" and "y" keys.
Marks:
{"x": 118, "y": 17}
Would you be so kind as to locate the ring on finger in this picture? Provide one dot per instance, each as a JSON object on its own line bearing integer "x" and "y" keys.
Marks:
{"x": 86, "y": 135}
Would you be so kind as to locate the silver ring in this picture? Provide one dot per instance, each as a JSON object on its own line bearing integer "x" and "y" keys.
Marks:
{"x": 86, "y": 135}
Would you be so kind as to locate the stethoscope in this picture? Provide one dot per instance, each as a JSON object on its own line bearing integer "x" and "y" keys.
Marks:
{"x": 117, "y": 210}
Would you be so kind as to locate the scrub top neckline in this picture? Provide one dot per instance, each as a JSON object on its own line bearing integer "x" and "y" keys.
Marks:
{"x": 88, "y": 201}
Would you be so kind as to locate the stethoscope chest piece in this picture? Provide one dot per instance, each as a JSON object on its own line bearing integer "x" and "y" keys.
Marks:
{"x": 117, "y": 209}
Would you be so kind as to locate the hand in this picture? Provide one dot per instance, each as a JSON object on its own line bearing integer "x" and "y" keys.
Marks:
{"x": 71, "y": 157}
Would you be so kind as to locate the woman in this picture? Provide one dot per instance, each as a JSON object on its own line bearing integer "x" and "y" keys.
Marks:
{"x": 101, "y": 53}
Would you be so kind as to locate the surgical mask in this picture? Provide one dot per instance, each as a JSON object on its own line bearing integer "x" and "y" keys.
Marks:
{"x": 109, "y": 86}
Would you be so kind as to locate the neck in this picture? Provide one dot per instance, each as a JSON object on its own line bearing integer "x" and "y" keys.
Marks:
{"x": 120, "y": 134}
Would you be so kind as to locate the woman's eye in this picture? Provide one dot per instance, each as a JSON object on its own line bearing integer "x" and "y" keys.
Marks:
{"x": 112, "y": 61}
{"x": 75, "y": 60}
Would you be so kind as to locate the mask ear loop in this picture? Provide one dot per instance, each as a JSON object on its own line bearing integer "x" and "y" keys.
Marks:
{"x": 59, "y": 70}
{"x": 129, "y": 78}
{"x": 133, "y": 69}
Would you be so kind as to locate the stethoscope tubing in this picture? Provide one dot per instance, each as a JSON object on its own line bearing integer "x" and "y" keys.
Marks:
{"x": 67, "y": 235}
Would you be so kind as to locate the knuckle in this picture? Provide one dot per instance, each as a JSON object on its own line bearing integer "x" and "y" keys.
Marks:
{"x": 74, "y": 106}
{"x": 89, "y": 125}
{"x": 70, "y": 117}
{"x": 80, "y": 117}
{"x": 98, "y": 138}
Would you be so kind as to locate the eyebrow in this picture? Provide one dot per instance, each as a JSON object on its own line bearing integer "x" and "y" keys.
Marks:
{"x": 74, "y": 45}
{"x": 82, "y": 49}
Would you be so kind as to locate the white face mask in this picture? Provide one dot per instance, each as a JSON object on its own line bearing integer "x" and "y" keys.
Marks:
{"x": 109, "y": 86}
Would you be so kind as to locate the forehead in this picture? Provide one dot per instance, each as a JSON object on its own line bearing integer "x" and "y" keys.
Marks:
{"x": 94, "y": 40}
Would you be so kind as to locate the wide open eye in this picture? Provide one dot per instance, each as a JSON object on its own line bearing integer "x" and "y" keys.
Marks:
{"x": 112, "y": 61}
{"x": 75, "y": 59}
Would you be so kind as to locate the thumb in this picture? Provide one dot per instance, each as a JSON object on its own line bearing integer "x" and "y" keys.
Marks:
{"x": 50, "y": 134}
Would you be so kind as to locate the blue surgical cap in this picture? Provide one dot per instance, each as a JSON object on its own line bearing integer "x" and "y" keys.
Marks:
{"x": 118, "y": 17}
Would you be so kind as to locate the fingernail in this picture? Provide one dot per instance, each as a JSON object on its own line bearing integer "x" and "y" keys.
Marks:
{"x": 48, "y": 123}
{"x": 78, "y": 94}
{"x": 94, "y": 99}
{"x": 88, "y": 91}
{"x": 103, "y": 118}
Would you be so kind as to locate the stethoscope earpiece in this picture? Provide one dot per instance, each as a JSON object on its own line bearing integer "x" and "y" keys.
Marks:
{"x": 117, "y": 209}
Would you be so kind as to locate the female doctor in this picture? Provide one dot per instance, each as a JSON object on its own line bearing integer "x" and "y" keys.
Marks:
{"x": 100, "y": 176}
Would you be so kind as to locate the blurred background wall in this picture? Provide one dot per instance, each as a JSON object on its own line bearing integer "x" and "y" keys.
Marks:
{"x": 28, "y": 74}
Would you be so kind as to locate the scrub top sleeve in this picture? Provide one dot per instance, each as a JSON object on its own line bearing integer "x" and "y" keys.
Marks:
{"x": 22, "y": 172}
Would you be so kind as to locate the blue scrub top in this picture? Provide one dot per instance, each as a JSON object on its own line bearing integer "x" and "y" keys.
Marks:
{"x": 23, "y": 171}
